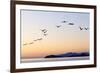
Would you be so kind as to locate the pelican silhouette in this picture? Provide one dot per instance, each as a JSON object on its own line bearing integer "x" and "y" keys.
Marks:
{"x": 81, "y": 28}
{"x": 45, "y": 34}
{"x": 64, "y": 21}
{"x": 70, "y": 23}
{"x": 44, "y": 30}
{"x": 25, "y": 44}
{"x": 86, "y": 28}
{"x": 35, "y": 40}
{"x": 58, "y": 26}
{"x": 40, "y": 39}
{"x": 31, "y": 43}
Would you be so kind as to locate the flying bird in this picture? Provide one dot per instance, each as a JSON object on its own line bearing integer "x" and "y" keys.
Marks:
{"x": 35, "y": 40}
{"x": 70, "y": 23}
{"x": 58, "y": 26}
{"x": 45, "y": 34}
{"x": 81, "y": 28}
{"x": 31, "y": 43}
{"x": 40, "y": 39}
{"x": 86, "y": 28}
{"x": 44, "y": 30}
{"x": 25, "y": 44}
{"x": 64, "y": 21}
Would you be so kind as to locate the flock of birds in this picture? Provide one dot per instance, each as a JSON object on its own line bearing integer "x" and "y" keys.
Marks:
{"x": 44, "y": 31}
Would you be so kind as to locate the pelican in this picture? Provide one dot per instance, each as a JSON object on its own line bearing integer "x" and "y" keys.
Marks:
{"x": 35, "y": 40}
{"x": 39, "y": 39}
{"x": 71, "y": 24}
{"x": 58, "y": 26}
{"x": 44, "y": 30}
{"x": 86, "y": 28}
{"x": 81, "y": 28}
{"x": 64, "y": 21}
{"x": 31, "y": 43}
{"x": 45, "y": 34}
{"x": 25, "y": 44}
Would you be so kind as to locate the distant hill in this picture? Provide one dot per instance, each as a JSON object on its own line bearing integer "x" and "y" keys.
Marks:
{"x": 69, "y": 54}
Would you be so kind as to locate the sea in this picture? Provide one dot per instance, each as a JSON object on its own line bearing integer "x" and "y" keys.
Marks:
{"x": 53, "y": 59}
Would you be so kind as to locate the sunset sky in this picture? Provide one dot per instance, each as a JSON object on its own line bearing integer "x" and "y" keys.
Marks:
{"x": 67, "y": 38}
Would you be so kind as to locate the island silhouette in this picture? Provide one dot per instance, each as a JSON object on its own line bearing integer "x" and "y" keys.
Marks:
{"x": 69, "y": 54}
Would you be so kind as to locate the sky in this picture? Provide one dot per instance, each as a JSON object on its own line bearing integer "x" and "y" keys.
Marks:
{"x": 67, "y": 38}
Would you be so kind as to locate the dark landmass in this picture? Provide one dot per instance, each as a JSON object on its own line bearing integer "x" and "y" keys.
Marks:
{"x": 69, "y": 54}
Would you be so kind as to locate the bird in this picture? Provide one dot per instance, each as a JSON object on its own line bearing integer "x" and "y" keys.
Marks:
{"x": 45, "y": 34}
{"x": 44, "y": 30}
{"x": 40, "y": 39}
{"x": 81, "y": 28}
{"x": 86, "y": 28}
{"x": 58, "y": 26}
{"x": 31, "y": 43}
{"x": 64, "y": 21}
{"x": 25, "y": 44}
{"x": 70, "y": 23}
{"x": 35, "y": 40}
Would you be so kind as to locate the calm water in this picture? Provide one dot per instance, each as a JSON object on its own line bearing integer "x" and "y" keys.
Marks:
{"x": 54, "y": 59}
